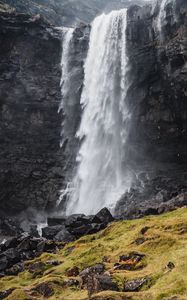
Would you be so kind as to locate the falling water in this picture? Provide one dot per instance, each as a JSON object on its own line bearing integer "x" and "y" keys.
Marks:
{"x": 65, "y": 78}
{"x": 162, "y": 15}
{"x": 100, "y": 178}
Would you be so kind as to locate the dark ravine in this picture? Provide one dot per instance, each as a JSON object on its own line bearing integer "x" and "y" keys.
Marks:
{"x": 33, "y": 166}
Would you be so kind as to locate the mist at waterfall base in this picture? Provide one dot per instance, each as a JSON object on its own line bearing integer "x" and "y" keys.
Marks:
{"x": 102, "y": 175}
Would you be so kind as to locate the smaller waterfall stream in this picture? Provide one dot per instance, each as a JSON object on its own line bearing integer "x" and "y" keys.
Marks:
{"x": 101, "y": 177}
{"x": 65, "y": 78}
{"x": 162, "y": 15}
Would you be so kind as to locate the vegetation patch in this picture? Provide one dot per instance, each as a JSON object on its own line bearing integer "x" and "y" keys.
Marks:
{"x": 161, "y": 260}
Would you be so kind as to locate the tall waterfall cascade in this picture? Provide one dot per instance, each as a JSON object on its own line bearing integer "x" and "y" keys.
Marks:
{"x": 100, "y": 176}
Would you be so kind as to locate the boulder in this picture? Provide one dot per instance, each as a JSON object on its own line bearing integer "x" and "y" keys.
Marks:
{"x": 76, "y": 220}
{"x": 64, "y": 236}
{"x": 55, "y": 221}
{"x": 51, "y": 232}
{"x": 15, "y": 270}
{"x": 105, "y": 216}
{"x": 73, "y": 272}
{"x": 10, "y": 243}
{"x": 135, "y": 285}
{"x": 71, "y": 282}
{"x": 6, "y": 293}
{"x": 12, "y": 255}
{"x": 46, "y": 246}
{"x": 44, "y": 289}
{"x": 105, "y": 283}
{"x": 52, "y": 263}
{"x": 36, "y": 267}
{"x": 3, "y": 263}
{"x": 97, "y": 269}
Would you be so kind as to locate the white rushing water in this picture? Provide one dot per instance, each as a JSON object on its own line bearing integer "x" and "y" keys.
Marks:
{"x": 65, "y": 78}
{"x": 100, "y": 177}
{"x": 161, "y": 15}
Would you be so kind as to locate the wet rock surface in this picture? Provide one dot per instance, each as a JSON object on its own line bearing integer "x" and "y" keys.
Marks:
{"x": 15, "y": 251}
{"x": 157, "y": 98}
{"x": 155, "y": 197}
{"x": 32, "y": 163}
{"x": 135, "y": 285}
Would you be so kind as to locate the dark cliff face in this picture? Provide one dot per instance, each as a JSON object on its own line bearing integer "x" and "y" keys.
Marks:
{"x": 33, "y": 166}
{"x": 158, "y": 102}
{"x": 67, "y": 12}
{"x": 158, "y": 94}
{"x": 30, "y": 159}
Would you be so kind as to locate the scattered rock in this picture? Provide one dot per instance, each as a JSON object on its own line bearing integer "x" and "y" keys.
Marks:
{"x": 46, "y": 246}
{"x": 140, "y": 241}
{"x": 69, "y": 250}
{"x": 51, "y": 232}
{"x": 98, "y": 269}
{"x": 15, "y": 270}
{"x": 134, "y": 285}
{"x": 106, "y": 259}
{"x": 133, "y": 257}
{"x": 144, "y": 230}
{"x": 71, "y": 282}
{"x": 171, "y": 265}
{"x": 36, "y": 267}
{"x": 6, "y": 293}
{"x": 105, "y": 283}
{"x": 55, "y": 221}
{"x": 3, "y": 263}
{"x": 97, "y": 283}
{"x": 44, "y": 289}
{"x": 131, "y": 262}
{"x": 64, "y": 236}
{"x": 73, "y": 272}
{"x": 52, "y": 263}
{"x": 105, "y": 216}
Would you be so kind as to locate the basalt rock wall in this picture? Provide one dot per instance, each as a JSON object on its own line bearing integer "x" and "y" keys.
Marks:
{"x": 158, "y": 90}
{"x": 30, "y": 157}
{"x": 157, "y": 146}
{"x": 33, "y": 166}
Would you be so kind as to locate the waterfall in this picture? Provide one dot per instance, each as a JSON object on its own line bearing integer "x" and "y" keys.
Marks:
{"x": 65, "y": 66}
{"x": 101, "y": 177}
{"x": 162, "y": 15}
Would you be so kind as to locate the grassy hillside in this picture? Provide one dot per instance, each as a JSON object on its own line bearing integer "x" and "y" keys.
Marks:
{"x": 162, "y": 239}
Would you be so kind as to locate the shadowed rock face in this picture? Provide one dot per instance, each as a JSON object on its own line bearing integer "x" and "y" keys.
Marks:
{"x": 157, "y": 96}
{"x": 158, "y": 102}
{"x": 30, "y": 159}
{"x": 32, "y": 164}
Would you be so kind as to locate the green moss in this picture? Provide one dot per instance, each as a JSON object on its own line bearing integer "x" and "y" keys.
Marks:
{"x": 165, "y": 241}
{"x": 17, "y": 295}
